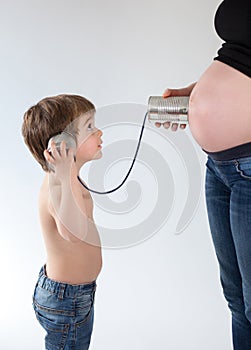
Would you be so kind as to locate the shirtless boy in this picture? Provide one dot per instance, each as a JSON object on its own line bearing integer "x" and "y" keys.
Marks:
{"x": 64, "y": 294}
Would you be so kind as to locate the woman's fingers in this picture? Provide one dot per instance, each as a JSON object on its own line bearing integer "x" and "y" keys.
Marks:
{"x": 167, "y": 93}
{"x": 174, "y": 126}
{"x": 167, "y": 125}
{"x": 173, "y": 92}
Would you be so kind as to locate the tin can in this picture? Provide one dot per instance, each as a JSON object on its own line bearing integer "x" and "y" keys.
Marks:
{"x": 172, "y": 109}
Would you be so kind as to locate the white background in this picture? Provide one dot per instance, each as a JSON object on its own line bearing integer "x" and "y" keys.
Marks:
{"x": 163, "y": 293}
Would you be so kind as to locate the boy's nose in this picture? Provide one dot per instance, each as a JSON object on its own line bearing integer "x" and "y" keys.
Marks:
{"x": 99, "y": 132}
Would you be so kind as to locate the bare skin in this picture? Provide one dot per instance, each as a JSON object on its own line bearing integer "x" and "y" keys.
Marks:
{"x": 66, "y": 214}
{"x": 219, "y": 109}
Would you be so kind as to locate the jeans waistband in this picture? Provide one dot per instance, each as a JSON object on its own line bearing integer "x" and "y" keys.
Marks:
{"x": 64, "y": 289}
{"x": 240, "y": 151}
{"x": 234, "y": 161}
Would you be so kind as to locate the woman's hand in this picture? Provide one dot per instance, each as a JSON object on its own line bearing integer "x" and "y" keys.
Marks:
{"x": 176, "y": 92}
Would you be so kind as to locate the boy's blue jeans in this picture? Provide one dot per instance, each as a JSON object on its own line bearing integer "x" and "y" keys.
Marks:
{"x": 228, "y": 198}
{"x": 65, "y": 311}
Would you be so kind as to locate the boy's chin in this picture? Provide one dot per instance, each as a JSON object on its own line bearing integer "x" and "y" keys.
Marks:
{"x": 98, "y": 155}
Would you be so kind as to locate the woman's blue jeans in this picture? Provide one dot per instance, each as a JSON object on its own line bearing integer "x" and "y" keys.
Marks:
{"x": 228, "y": 198}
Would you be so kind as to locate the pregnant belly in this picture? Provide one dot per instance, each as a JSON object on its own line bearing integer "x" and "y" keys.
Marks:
{"x": 220, "y": 108}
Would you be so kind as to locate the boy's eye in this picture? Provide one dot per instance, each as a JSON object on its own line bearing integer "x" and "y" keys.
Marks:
{"x": 90, "y": 126}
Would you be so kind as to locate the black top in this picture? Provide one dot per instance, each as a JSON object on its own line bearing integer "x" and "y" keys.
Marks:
{"x": 233, "y": 25}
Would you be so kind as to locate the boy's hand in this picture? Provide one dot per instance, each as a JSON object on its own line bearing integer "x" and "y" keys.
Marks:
{"x": 62, "y": 161}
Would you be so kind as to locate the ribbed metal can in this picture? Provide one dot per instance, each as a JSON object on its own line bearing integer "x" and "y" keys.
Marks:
{"x": 172, "y": 109}
{"x": 65, "y": 136}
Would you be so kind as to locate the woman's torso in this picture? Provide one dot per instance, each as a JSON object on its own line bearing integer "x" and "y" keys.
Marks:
{"x": 220, "y": 103}
{"x": 220, "y": 108}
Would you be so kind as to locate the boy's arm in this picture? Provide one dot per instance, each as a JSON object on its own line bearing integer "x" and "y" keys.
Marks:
{"x": 67, "y": 205}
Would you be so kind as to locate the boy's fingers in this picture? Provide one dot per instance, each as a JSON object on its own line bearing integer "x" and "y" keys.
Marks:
{"x": 54, "y": 151}
{"x": 66, "y": 153}
{"x": 63, "y": 149}
{"x": 71, "y": 152}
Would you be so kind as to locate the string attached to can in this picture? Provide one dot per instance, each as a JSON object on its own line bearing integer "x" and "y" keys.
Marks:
{"x": 171, "y": 109}
{"x": 129, "y": 171}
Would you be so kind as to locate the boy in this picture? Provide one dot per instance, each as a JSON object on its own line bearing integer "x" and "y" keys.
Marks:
{"x": 64, "y": 294}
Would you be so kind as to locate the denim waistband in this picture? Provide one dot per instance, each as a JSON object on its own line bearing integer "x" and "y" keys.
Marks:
{"x": 64, "y": 289}
{"x": 234, "y": 161}
{"x": 240, "y": 151}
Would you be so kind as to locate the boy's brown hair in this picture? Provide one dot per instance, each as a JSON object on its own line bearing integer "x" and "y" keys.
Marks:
{"x": 51, "y": 116}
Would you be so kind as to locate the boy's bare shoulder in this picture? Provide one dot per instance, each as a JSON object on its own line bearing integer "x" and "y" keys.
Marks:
{"x": 49, "y": 196}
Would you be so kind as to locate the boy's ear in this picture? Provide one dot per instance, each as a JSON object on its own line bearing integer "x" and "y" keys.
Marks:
{"x": 45, "y": 153}
{"x": 49, "y": 158}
